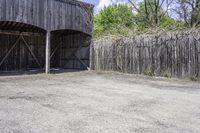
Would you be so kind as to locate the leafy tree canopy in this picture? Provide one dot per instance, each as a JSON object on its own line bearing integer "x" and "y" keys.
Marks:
{"x": 163, "y": 19}
{"x": 114, "y": 19}
{"x": 121, "y": 19}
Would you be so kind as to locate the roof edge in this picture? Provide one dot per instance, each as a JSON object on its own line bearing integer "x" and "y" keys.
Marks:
{"x": 77, "y": 2}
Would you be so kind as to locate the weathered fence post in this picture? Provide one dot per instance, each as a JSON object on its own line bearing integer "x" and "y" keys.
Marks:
{"x": 175, "y": 54}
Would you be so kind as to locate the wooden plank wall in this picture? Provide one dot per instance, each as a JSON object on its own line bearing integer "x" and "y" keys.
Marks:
{"x": 20, "y": 57}
{"x": 49, "y": 14}
{"x": 173, "y": 54}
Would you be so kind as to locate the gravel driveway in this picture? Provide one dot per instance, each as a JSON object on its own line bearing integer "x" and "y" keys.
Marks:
{"x": 98, "y": 102}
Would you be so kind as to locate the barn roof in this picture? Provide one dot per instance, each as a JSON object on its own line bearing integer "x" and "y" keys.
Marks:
{"x": 77, "y": 2}
{"x": 49, "y": 15}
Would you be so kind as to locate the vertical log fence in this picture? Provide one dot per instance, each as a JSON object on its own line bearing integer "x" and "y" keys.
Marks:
{"x": 174, "y": 54}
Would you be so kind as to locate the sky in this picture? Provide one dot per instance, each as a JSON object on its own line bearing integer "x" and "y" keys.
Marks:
{"x": 99, "y": 4}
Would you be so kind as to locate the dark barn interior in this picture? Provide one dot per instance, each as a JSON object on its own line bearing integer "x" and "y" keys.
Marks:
{"x": 70, "y": 49}
{"x": 22, "y": 47}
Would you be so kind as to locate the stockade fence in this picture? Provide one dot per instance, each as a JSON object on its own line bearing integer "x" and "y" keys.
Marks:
{"x": 174, "y": 54}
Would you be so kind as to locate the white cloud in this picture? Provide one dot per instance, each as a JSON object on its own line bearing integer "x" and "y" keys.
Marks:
{"x": 105, "y": 3}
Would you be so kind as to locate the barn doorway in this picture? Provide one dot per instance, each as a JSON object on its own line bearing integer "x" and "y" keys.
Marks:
{"x": 70, "y": 50}
{"x": 22, "y": 47}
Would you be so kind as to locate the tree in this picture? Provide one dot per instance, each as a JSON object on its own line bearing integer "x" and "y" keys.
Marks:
{"x": 189, "y": 11}
{"x": 114, "y": 19}
{"x": 152, "y": 10}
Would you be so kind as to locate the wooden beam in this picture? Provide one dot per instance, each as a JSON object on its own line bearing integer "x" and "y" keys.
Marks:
{"x": 17, "y": 33}
{"x": 73, "y": 53}
{"x": 48, "y": 47}
{"x": 55, "y": 49}
{"x": 83, "y": 63}
{"x": 31, "y": 52}
{"x": 8, "y": 53}
{"x": 58, "y": 46}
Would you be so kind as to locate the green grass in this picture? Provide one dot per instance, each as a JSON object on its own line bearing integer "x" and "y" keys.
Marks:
{"x": 193, "y": 78}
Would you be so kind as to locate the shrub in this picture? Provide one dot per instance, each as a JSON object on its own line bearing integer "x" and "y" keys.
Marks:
{"x": 166, "y": 74}
{"x": 193, "y": 78}
{"x": 149, "y": 73}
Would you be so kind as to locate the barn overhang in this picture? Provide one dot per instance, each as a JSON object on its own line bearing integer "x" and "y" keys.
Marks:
{"x": 49, "y": 15}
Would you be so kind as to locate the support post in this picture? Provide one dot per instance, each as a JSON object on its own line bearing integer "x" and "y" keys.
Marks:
{"x": 48, "y": 47}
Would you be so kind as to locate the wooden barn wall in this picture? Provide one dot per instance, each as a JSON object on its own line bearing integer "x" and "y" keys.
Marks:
{"x": 169, "y": 54}
{"x": 69, "y": 16}
{"x": 20, "y": 58}
{"x": 73, "y": 51}
{"x": 49, "y": 15}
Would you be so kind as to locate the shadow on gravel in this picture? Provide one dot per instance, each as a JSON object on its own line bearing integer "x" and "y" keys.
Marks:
{"x": 58, "y": 71}
{"x": 16, "y": 73}
{"x": 33, "y": 72}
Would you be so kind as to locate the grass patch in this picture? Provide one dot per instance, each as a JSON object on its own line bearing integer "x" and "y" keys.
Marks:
{"x": 149, "y": 73}
{"x": 166, "y": 74}
{"x": 193, "y": 78}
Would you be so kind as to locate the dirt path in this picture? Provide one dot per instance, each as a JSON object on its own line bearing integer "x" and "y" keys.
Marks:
{"x": 91, "y": 102}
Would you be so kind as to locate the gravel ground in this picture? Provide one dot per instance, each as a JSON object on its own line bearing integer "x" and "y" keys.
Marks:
{"x": 98, "y": 102}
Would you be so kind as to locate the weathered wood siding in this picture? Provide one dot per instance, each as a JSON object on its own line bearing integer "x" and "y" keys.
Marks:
{"x": 69, "y": 21}
{"x": 49, "y": 14}
{"x": 20, "y": 57}
{"x": 173, "y": 54}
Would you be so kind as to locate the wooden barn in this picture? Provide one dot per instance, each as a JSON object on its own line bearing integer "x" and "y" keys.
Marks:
{"x": 44, "y": 34}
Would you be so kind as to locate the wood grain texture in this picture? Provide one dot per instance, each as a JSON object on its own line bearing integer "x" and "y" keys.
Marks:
{"x": 70, "y": 23}
{"x": 49, "y": 15}
{"x": 175, "y": 54}
{"x": 21, "y": 56}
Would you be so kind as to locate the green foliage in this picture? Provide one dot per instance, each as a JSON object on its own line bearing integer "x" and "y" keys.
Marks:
{"x": 143, "y": 24}
{"x": 193, "y": 78}
{"x": 140, "y": 17}
{"x": 166, "y": 74}
{"x": 114, "y": 19}
{"x": 149, "y": 73}
{"x": 167, "y": 22}
{"x": 121, "y": 20}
